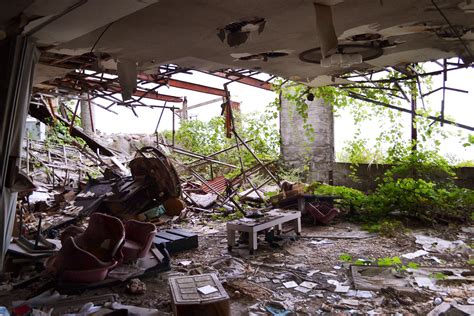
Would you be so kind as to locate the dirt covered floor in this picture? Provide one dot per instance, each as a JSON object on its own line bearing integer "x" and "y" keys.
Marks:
{"x": 319, "y": 264}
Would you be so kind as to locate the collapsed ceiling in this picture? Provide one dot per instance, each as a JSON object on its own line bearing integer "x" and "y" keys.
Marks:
{"x": 308, "y": 41}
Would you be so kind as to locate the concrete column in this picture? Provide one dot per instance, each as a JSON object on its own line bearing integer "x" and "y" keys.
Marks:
{"x": 315, "y": 156}
{"x": 87, "y": 116}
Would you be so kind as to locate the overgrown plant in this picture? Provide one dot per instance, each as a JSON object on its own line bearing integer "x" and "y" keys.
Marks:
{"x": 206, "y": 138}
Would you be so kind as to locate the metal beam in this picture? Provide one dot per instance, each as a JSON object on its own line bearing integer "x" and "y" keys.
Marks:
{"x": 182, "y": 85}
{"x": 204, "y": 103}
{"x": 244, "y": 79}
{"x": 394, "y": 107}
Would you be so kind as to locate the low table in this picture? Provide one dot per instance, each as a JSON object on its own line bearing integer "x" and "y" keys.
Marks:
{"x": 274, "y": 218}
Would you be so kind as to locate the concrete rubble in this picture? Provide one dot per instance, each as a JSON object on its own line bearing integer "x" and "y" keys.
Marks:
{"x": 326, "y": 269}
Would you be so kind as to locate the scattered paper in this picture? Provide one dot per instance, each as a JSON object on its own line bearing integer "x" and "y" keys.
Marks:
{"x": 364, "y": 294}
{"x": 185, "y": 262}
{"x": 342, "y": 289}
{"x": 349, "y": 302}
{"x": 435, "y": 259}
{"x": 302, "y": 289}
{"x": 207, "y": 289}
{"x": 339, "y": 287}
{"x": 321, "y": 242}
{"x": 416, "y": 254}
{"x": 440, "y": 245}
{"x": 312, "y": 272}
{"x": 290, "y": 284}
{"x": 308, "y": 285}
{"x": 425, "y": 282}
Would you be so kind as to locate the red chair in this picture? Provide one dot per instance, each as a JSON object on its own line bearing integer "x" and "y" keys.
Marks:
{"x": 103, "y": 237}
{"x": 321, "y": 212}
{"x": 138, "y": 240}
{"x": 87, "y": 257}
{"x": 73, "y": 264}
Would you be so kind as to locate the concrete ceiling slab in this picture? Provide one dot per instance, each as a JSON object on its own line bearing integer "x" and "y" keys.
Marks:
{"x": 86, "y": 18}
{"x": 193, "y": 32}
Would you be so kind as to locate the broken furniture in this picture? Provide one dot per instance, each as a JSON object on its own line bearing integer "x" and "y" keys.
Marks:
{"x": 197, "y": 295}
{"x": 273, "y": 219}
{"x": 321, "y": 212}
{"x": 138, "y": 239}
{"x": 175, "y": 240}
{"x": 103, "y": 237}
{"x": 88, "y": 256}
{"x": 76, "y": 265}
{"x": 319, "y": 207}
{"x": 374, "y": 278}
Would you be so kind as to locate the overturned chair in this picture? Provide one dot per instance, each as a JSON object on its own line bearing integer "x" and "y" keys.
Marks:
{"x": 321, "y": 212}
{"x": 87, "y": 257}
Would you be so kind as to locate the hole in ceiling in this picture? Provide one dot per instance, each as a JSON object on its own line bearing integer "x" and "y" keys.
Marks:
{"x": 364, "y": 37}
{"x": 265, "y": 56}
{"x": 237, "y": 33}
{"x": 367, "y": 52}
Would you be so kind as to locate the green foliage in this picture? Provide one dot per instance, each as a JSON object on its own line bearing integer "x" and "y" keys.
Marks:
{"x": 395, "y": 262}
{"x": 412, "y": 265}
{"x": 469, "y": 141}
{"x": 225, "y": 216}
{"x": 389, "y": 261}
{"x": 421, "y": 164}
{"x": 206, "y": 138}
{"x": 291, "y": 174}
{"x": 439, "y": 276}
{"x": 58, "y": 134}
{"x": 427, "y": 201}
{"x": 348, "y": 197}
{"x": 345, "y": 257}
{"x": 418, "y": 185}
{"x": 387, "y": 228}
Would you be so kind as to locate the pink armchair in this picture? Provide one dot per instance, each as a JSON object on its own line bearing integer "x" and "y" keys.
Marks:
{"x": 103, "y": 237}
{"x": 138, "y": 240}
{"x": 73, "y": 264}
{"x": 87, "y": 257}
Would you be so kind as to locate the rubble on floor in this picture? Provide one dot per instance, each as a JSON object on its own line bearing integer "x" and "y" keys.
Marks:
{"x": 166, "y": 246}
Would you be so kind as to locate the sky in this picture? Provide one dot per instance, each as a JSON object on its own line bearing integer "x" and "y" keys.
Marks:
{"x": 459, "y": 107}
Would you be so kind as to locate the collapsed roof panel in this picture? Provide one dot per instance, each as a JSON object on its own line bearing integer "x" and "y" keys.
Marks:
{"x": 208, "y": 35}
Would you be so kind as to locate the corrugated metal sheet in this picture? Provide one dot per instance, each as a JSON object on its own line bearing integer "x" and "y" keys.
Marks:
{"x": 218, "y": 184}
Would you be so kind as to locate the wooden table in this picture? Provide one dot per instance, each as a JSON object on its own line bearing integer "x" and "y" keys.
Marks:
{"x": 274, "y": 218}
